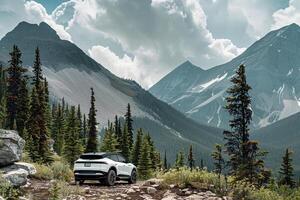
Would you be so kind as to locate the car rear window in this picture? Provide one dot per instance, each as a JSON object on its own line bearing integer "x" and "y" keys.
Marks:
{"x": 91, "y": 157}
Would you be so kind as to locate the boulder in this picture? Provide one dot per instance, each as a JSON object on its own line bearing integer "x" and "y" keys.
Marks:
{"x": 19, "y": 165}
{"x": 16, "y": 177}
{"x": 11, "y": 147}
{"x": 151, "y": 190}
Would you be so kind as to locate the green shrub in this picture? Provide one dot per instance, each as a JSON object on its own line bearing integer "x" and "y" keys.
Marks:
{"x": 7, "y": 191}
{"x": 201, "y": 179}
{"x": 61, "y": 171}
{"x": 43, "y": 172}
{"x": 61, "y": 189}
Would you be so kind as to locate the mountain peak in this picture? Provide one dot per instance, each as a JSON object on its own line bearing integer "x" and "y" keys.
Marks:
{"x": 25, "y": 29}
{"x": 188, "y": 65}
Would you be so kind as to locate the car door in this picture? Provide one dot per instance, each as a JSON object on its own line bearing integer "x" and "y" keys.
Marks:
{"x": 118, "y": 164}
{"x": 125, "y": 168}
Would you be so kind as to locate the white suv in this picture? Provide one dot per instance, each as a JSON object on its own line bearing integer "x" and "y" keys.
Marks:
{"x": 105, "y": 167}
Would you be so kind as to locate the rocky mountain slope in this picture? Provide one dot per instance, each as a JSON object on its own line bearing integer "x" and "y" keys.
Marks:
{"x": 276, "y": 137}
{"x": 272, "y": 67}
{"x": 70, "y": 73}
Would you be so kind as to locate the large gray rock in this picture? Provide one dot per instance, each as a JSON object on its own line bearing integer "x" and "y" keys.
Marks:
{"x": 11, "y": 147}
{"x": 17, "y": 177}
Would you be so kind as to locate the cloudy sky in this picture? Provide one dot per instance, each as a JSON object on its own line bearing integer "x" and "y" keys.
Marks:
{"x": 145, "y": 39}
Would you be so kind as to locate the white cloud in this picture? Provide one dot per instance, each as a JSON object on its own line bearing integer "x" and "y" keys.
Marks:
{"x": 288, "y": 15}
{"x": 13, "y": 12}
{"x": 154, "y": 36}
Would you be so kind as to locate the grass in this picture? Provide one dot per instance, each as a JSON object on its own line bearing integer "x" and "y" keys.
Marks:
{"x": 204, "y": 180}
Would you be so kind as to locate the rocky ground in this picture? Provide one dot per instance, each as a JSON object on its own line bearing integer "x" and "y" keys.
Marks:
{"x": 146, "y": 190}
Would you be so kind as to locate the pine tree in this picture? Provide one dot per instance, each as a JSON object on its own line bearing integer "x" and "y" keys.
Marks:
{"x": 38, "y": 117}
{"x": 152, "y": 152}
{"x": 125, "y": 143}
{"x": 191, "y": 160}
{"x": 165, "y": 163}
{"x": 3, "y": 88}
{"x": 15, "y": 73}
{"x": 47, "y": 104}
{"x": 37, "y": 70}
{"x": 109, "y": 142}
{"x": 58, "y": 130}
{"x": 32, "y": 142}
{"x": 135, "y": 154}
{"x": 72, "y": 147}
{"x": 244, "y": 155}
{"x": 22, "y": 107}
{"x": 219, "y": 161}
{"x": 144, "y": 163}
{"x": 179, "y": 160}
{"x": 92, "y": 141}
{"x": 118, "y": 132}
{"x": 128, "y": 122}
{"x": 286, "y": 170}
{"x": 84, "y": 130}
{"x": 79, "y": 118}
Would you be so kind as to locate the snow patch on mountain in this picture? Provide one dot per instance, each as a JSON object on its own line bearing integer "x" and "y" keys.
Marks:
{"x": 203, "y": 86}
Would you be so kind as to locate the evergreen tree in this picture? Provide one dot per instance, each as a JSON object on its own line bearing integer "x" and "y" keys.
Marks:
{"x": 125, "y": 143}
{"x": 38, "y": 117}
{"x": 84, "y": 130}
{"x": 179, "y": 160}
{"x": 109, "y": 142}
{"x": 191, "y": 160}
{"x": 92, "y": 141}
{"x": 165, "y": 164}
{"x": 219, "y": 161}
{"x": 32, "y": 142}
{"x": 15, "y": 73}
{"x": 58, "y": 130}
{"x": 47, "y": 104}
{"x": 79, "y": 118}
{"x": 3, "y": 89}
{"x": 22, "y": 107}
{"x": 128, "y": 122}
{"x": 118, "y": 132}
{"x": 137, "y": 147}
{"x": 244, "y": 155}
{"x": 72, "y": 147}
{"x": 144, "y": 163}
{"x": 37, "y": 70}
{"x": 152, "y": 152}
{"x": 287, "y": 170}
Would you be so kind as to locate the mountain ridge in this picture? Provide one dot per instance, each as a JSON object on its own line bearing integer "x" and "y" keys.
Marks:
{"x": 271, "y": 67}
{"x": 70, "y": 73}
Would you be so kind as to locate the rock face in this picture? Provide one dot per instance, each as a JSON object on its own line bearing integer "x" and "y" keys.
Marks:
{"x": 11, "y": 147}
{"x": 17, "y": 177}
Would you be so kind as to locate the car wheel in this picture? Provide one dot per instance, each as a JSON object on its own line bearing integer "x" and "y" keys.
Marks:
{"x": 111, "y": 178}
{"x": 133, "y": 177}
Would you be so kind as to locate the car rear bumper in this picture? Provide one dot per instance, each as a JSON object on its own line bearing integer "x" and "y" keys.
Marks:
{"x": 89, "y": 175}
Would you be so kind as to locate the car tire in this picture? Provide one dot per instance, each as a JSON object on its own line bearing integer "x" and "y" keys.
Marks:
{"x": 111, "y": 177}
{"x": 133, "y": 177}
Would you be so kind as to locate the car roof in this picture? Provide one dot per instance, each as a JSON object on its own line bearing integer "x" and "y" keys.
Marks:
{"x": 102, "y": 153}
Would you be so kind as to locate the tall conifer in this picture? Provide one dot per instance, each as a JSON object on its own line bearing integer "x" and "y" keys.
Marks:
{"x": 245, "y": 157}
{"x": 72, "y": 147}
{"x": 128, "y": 122}
{"x": 15, "y": 73}
{"x": 137, "y": 147}
{"x": 287, "y": 171}
{"x": 92, "y": 141}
